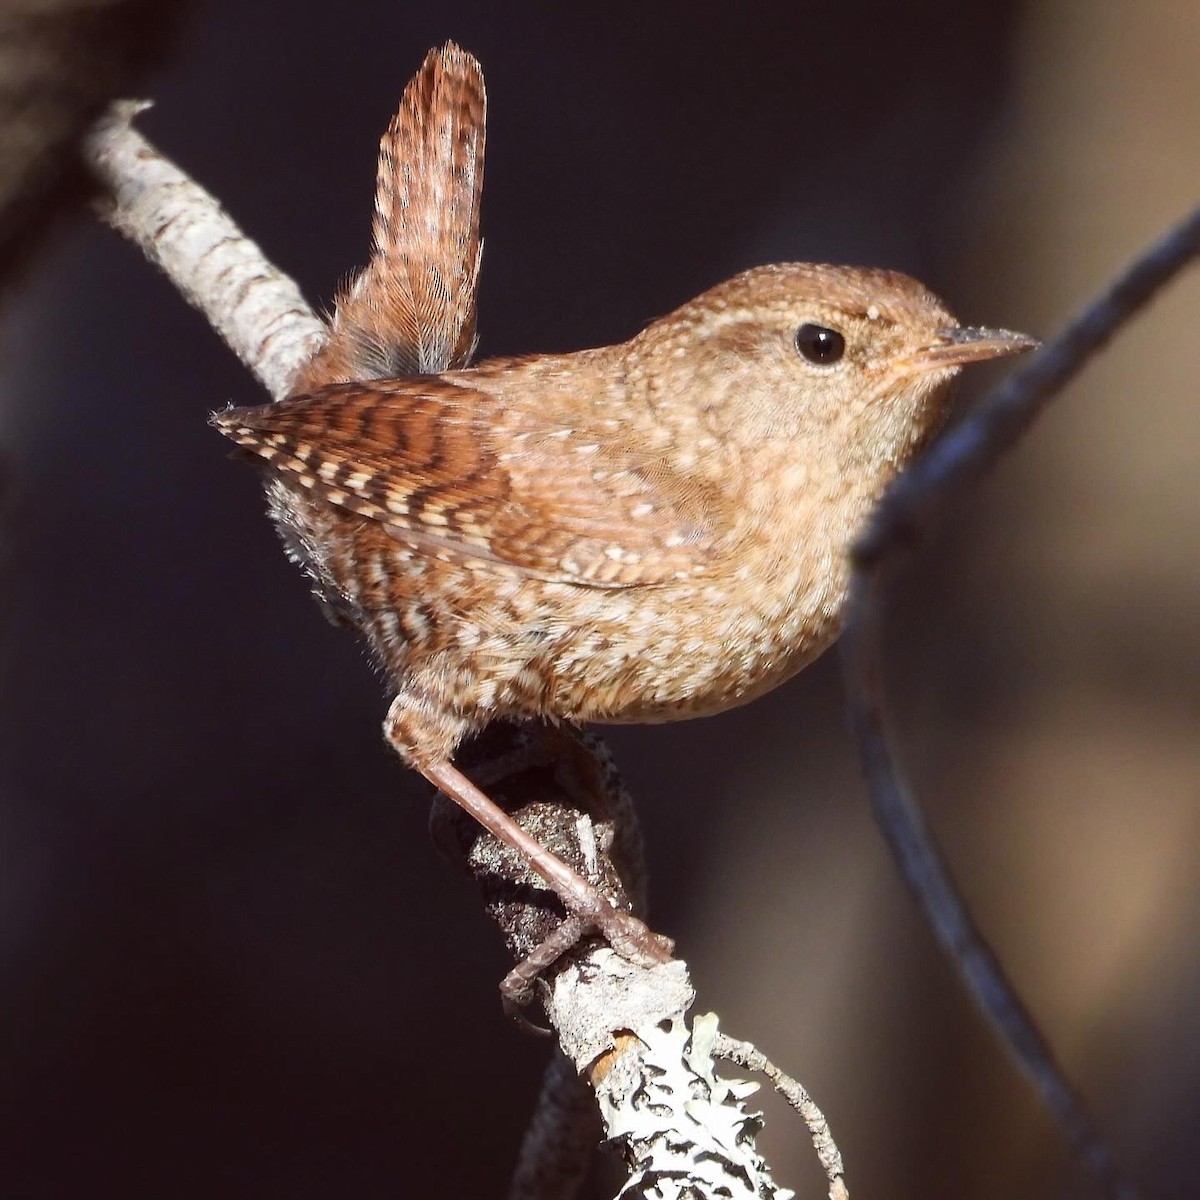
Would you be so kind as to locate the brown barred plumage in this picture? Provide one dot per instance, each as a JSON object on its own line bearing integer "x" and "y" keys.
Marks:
{"x": 642, "y": 532}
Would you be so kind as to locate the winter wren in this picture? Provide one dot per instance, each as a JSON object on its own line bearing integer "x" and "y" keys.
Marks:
{"x": 638, "y": 533}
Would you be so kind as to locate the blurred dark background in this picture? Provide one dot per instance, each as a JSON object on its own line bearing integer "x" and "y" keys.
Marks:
{"x": 231, "y": 962}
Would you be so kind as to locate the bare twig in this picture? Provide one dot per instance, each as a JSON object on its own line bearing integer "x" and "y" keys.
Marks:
{"x": 258, "y": 311}
{"x": 948, "y": 470}
{"x": 747, "y": 1055}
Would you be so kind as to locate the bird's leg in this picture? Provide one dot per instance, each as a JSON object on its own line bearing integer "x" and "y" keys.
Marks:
{"x": 628, "y": 936}
{"x": 516, "y": 988}
{"x": 424, "y": 735}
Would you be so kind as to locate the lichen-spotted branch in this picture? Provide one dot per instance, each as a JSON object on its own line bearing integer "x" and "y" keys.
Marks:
{"x": 683, "y": 1130}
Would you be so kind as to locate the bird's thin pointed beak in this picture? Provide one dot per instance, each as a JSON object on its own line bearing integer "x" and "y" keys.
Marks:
{"x": 958, "y": 345}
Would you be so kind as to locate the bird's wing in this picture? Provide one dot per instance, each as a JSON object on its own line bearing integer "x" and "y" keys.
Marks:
{"x": 425, "y": 458}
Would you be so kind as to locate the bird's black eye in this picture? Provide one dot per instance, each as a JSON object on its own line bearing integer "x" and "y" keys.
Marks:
{"x": 819, "y": 345}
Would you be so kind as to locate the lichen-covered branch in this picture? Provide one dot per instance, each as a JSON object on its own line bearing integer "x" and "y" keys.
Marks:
{"x": 683, "y": 1131}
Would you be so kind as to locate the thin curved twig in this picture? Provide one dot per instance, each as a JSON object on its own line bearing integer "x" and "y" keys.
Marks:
{"x": 952, "y": 466}
{"x": 749, "y": 1056}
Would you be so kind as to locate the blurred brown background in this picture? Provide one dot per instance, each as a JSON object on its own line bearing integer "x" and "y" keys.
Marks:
{"x": 232, "y": 964}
